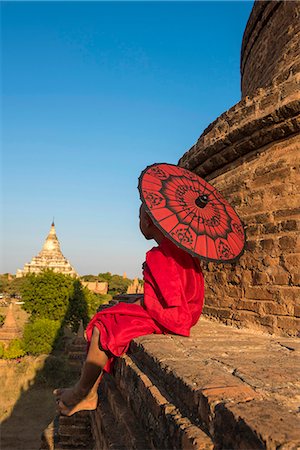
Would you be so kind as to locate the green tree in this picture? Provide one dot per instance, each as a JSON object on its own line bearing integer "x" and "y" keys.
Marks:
{"x": 89, "y": 278}
{"x": 78, "y": 307}
{"x": 105, "y": 277}
{"x": 47, "y": 295}
{"x": 14, "y": 350}
{"x": 95, "y": 300}
{"x": 4, "y": 283}
{"x": 41, "y": 336}
{"x": 118, "y": 284}
{"x": 11, "y": 286}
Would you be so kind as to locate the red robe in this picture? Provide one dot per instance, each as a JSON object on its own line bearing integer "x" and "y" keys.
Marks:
{"x": 173, "y": 301}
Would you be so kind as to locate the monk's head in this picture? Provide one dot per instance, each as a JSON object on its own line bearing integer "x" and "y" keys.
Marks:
{"x": 147, "y": 226}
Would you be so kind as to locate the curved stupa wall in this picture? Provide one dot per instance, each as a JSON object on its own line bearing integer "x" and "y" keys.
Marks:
{"x": 251, "y": 153}
{"x": 270, "y": 49}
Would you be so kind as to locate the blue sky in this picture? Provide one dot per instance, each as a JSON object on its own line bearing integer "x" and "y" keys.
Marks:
{"x": 93, "y": 92}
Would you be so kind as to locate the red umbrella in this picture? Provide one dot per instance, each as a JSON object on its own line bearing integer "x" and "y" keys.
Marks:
{"x": 191, "y": 213}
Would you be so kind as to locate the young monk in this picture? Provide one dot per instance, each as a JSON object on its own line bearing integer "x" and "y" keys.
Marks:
{"x": 172, "y": 303}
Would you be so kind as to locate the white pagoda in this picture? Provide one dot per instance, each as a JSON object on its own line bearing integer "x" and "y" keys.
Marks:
{"x": 50, "y": 257}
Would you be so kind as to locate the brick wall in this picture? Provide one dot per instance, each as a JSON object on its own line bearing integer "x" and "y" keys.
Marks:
{"x": 270, "y": 48}
{"x": 263, "y": 289}
{"x": 251, "y": 153}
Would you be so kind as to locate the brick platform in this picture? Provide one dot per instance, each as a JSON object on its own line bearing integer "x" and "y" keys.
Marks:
{"x": 222, "y": 388}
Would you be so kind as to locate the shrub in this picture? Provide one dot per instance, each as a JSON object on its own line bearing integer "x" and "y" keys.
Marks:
{"x": 1, "y": 350}
{"x": 14, "y": 350}
{"x": 41, "y": 336}
{"x": 47, "y": 295}
{"x": 95, "y": 300}
{"x": 55, "y": 296}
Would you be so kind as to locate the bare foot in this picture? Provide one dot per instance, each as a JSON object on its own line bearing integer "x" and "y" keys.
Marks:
{"x": 69, "y": 402}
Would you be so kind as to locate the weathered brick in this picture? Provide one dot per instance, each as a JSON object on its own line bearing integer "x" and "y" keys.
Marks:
{"x": 234, "y": 278}
{"x": 270, "y": 261}
{"x": 251, "y": 246}
{"x": 217, "y": 312}
{"x": 278, "y": 275}
{"x": 269, "y": 245}
{"x": 275, "y": 309}
{"x": 234, "y": 291}
{"x": 288, "y": 243}
{"x": 290, "y": 324}
{"x": 221, "y": 277}
{"x": 289, "y": 212}
{"x": 290, "y": 225}
{"x": 287, "y": 294}
{"x": 270, "y": 228}
{"x": 269, "y": 100}
{"x": 292, "y": 262}
{"x": 295, "y": 279}
{"x": 258, "y": 293}
{"x": 247, "y": 276}
{"x": 249, "y": 305}
{"x": 245, "y": 317}
{"x": 271, "y": 177}
{"x": 269, "y": 321}
{"x": 260, "y": 278}
{"x": 297, "y": 311}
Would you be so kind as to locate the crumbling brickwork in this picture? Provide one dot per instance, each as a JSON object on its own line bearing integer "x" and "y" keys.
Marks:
{"x": 271, "y": 42}
{"x": 251, "y": 154}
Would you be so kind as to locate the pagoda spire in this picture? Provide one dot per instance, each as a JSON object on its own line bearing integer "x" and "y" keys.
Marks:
{"x": 50, "y": 257}
{"x": 51, "y": 243}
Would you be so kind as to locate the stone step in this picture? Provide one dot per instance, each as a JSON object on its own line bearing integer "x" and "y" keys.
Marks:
{"x": 233, "y": 412}
{"x": 166, "y": 426}
{"x": 79, "y": 355}
{"x": 77, "y": 347}
{"x": 69, "y": 433}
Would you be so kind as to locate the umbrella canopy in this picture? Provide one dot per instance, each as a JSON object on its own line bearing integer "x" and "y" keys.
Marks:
{"x": 191, "y": 213}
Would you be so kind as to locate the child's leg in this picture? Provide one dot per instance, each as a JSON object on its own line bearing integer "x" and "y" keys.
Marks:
{"x": 83, "y": 396}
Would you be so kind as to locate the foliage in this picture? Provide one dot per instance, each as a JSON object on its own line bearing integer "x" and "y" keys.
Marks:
{"x": 41, "y": 336}
{"x": 78, "y": 307}
{"x": 56, "y": 296}
{"x": 95, "y": 300}
{"x": 2, "y": 319}
{"x": 14, "y": 350}
{"x": 4, "y": 283}
{"x": 105, "y": 277}
{"x": 1, "y": 350}
{"x": 118, "y": 284}
{"x": 11, "y": 287}
{"x": 89, "y": 278}
{"x": 47, "y": 294}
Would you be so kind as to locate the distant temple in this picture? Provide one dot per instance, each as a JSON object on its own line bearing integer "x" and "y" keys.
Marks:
{"x": 50, "y": 257}
{"x": 136, "y": 287}
{"x": 98, "y": 287}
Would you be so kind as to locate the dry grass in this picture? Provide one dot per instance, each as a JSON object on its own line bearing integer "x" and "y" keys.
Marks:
{"x": 17, "y": 377}
{"x": 27, "y": 404}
